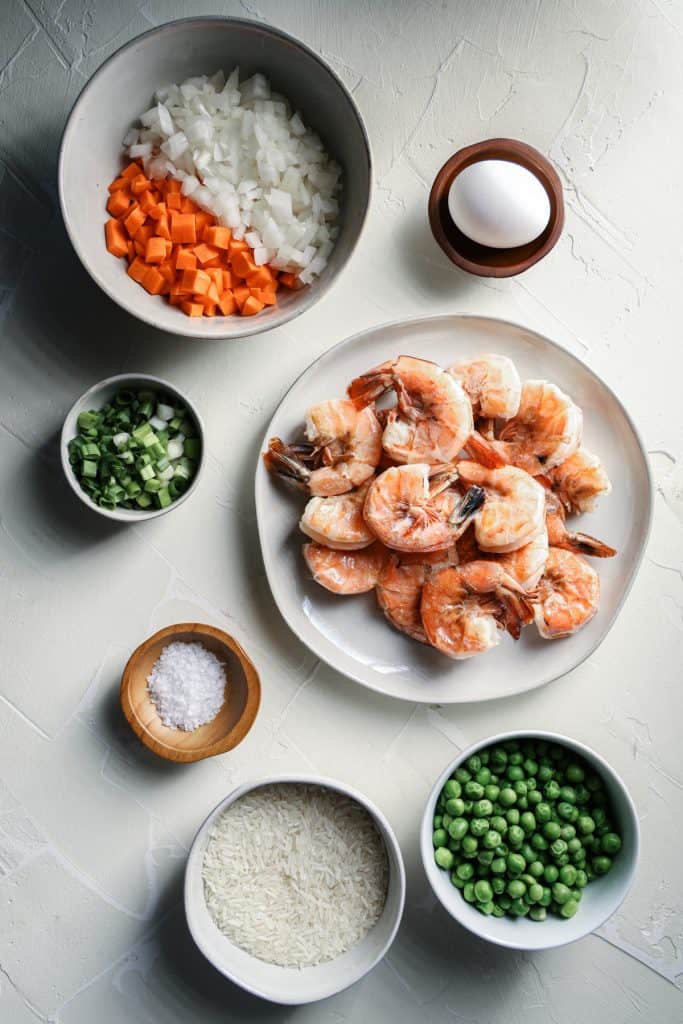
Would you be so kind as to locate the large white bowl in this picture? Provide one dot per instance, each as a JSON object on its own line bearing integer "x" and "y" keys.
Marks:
{"x": 286, "y": 984}
{"x": 350, "y": 633}
{"x": 122, "y": 88}
{"x": 599, "y": 900}
{"x": 95, "y": 398}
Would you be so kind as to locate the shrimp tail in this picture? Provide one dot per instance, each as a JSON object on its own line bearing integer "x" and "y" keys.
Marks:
{"x": 367, "y": 388}
{"x": 584, "y": 544}
{"x": 518, "y": 609}
{"x": 285, "y": 460}
{"x": 470, "y": 503}
{"x": 483, "y": 452}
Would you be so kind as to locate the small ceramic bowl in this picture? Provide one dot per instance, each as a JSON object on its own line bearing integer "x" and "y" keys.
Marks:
{"x": 289, "y": 985}
{"x": 123, "y": 87}
{"x": 599, "y": 900}
{"x": 483, "y": 260}
{"x": 97, "y": 396}
{"x": 233, "y": 721}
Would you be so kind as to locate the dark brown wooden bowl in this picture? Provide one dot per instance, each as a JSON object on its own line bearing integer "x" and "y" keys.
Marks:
{"x": 231, "y": 724}
{"x": 484, "y": 260}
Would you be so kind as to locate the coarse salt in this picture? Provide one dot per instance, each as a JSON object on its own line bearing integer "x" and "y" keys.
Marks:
{"x": 187, "y": 685}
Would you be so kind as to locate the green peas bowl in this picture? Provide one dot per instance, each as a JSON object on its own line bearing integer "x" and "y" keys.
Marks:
{"x": 530, "y": 840}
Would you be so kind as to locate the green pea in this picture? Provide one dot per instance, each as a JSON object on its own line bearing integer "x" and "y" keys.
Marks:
{"x": 610, "y": 843}
{"x": 575, "y": 772}
{"x": 544, "y": 773}
{"x": 499, "y": 823}
{"x": 568, "y": 875}
{"x": 456, "y": 881}
{"x": 569, "y": 908}
{"x": 543, "y": 812}
{"x": 479, "y": 826}
{"x": 547, "y": 897}
{"x": 439, "y": 837}
{"x": 507, "y": 797}
{"x": 468, "y": 892}
{"x": 550, "y": 873}
{"x": 601, "y": 865}
{"x": 516, "y": 758}
{"x": 522, "y": 803}
{"x": 483, "y": 776}
{"x": 485, "y": 859}
{"x": 498, "y": 866}
{"x": 483, "y": 808}
{"x": 515, "y": 772}
{"x": 504, "y": 901}
{"x": 535, "y": 892}
{"x": 519, "y": 908}
{"x": 534, "y": 797}
{"x": 551, "y": 790}
{"x": 593, "y": 782}
{"x": 499, "y": 756}
{"x": 469, "y": 845}
{"x": 473, "y": 790}
{"x": 483, "y": 891}
{"x": 573, "y": 845}
{"x": 527, "y": 851}
{"x": 473, "y": 763}
{"x": 512, "y": 816}
{"x": 458, "y": 828}
{"x": 515, "y": 864}
{"x": 538, "y": 913}
{"x": 498, "y": 884}
{"x": 516, "y": 888}
{"x": 452, "y": 788}
{"x": 520, "y": 787}
{"x": 558, "y": 848}
{"x": 530, "y": 766}
{"x": 462, "y": 776}
{"x": 581, "y": 879}
{"x": 446, "y": 819}
{"x": 561, "y": 893}
{"x": 551, "y": 830}
{"x": 527, "y": 821}
{"x": 455, "y": 807}
{"x": 585, "y": 825}
{"x": 583, "y": 794}
{"x": 485, "y": 908}
{"x": 492, "y": 792}
{"x": 454, "y": 845}
{"x": 492, "y": 839}
{"x": 515, "y": 835}
{"x": 538, "y": 842}
{"x": 498, "y": 910}
{"x": 465, "y": 871}
{"x": 567, "y": 832}
{"x": 444, "y": 858}
{"x": 438, "y": 820}
{"x": 565, "y": 810}
{"x": 536, "y": 868}
{"x": 599, "y": 816}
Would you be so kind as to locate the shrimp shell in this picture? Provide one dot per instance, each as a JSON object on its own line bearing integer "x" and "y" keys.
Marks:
{"x": 568, "y": 595}
{"x": 399, "y": 589}
{"x": 337, "y": 521}
{"x": 579, "y": 481}
{"x": 560, "y": 537}
{"x": 492, "y": 384}
{"x": 544, "y": 433}
{"x": 514, "y": 510}
{"x": 346, "y": 572}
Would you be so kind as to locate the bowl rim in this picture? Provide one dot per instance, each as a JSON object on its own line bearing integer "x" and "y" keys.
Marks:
{"x": 427, "y": 850}
{"x": 313, "y": 292}
{"x": 242, "y": 726}
{"x": 130, "y": 515}
{"x": 194, "y": 865}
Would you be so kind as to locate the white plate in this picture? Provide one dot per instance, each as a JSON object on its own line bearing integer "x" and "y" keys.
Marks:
{"x": 350, "y": 633}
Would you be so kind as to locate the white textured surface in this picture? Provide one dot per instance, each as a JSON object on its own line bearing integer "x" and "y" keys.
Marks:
{"x": 93, "y": 831}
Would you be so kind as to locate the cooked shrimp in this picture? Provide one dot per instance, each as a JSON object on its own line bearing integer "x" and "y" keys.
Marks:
{"x": 399, "y": 588}
{"x": 343, "y": 449}
{"x": 337, "y": 522}
{"x": 579, "y": 481}
{"x": 346, "y": 572}
{"x": 492, "y": 384}
{"x": 560, "y": 537}
{"x": 568, "y": 595}
{"x": 467, "y": 547}
{"x": 409, "y": 512}
{"x": 544, "y": 433}
{"x": 432, "y": 419}
{"x": 463, "y": 608}
{"x": 527, "y": 564}
{"x": 514, "y": 510}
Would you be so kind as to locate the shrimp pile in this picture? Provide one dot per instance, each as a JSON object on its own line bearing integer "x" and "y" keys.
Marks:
{"x": 451, "y": 504}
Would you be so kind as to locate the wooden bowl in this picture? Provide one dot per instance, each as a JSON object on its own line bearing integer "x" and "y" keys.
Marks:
{"x": 233, "y": 721}
{"x": 484, "y": 260}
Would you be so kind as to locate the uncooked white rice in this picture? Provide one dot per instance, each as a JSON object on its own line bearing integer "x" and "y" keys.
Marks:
{"x": 295, "y": 874}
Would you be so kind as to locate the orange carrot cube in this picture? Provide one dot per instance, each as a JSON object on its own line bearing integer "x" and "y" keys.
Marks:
{"x": 185, "y": 260}
{"x": 260, "y": 278}
{"x": 215, "y": 234}
{"x": 157, "y": 211}
{"x": 163, "y": 230}
{"x": 183, "y": 228}
{"x": 155, "y": 251}
{"x": 115, "y": 236}
{"x": 210, "y": 309}
{"x": 134, "y": 221}
{"x": 147, "y": 201}
{"x": 118, "y": 202}
{"x": 138, "y": 270}
{"x": 196, "y": 281}
{"x": 192, "y": 308}
{"x": 251, "y": 306}
{"x": 173, "y": 201}
{"x": 171, "y": 185}
{"x": 204, "y": 252}
{"x": 241, "y": 293}
{"x": 139, "y": 184}
{"x": 153, "y": 281}
{"x": 242, "y": 264}
{"x": 226, "y": 303}
{"x": 118, "y": 183}
{"x": 131, "y": 171}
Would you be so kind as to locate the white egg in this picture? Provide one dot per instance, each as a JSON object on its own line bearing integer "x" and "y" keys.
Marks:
{"x": 499, "y": 203}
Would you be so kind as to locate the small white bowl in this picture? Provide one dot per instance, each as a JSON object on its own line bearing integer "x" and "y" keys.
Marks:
{"x": 97, "y": 396}
{"x": 288, "y": 985}
{"x": 599, "y": 900}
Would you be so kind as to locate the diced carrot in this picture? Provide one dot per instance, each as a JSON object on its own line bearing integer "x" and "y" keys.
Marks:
{"x": 163, "y": 230}
{"x": 131, "y": 171}
{"x": 185, "y": 260}
{"x": 213, "y": 293}
{"x": 171, "y": 185}
{"x": 227, "y": 280}
{"x": 242, "y": 264}
{"x": 134, "y": 221}
{"x": 192, "y": 308}
{"x": 175, "y": 300}
{"x": 118, "y": 183}
{"x": 153, "y": 281}
{"x": 237, "y": 245}
{"x": 157, "y": 211}
{"x": 183, "y": 228}
{"x": 290, "y": 281}
{"x": 139, "y": 184}
{"x": 264, "y": 295}
{"x": 204, "y": 221}
{"x": 178, "y": 291}
{"x": 167, "y": 271}
{"x": 216, "y": 275}
{"x": 131, "y": 250}
{"x": 215, "y": 234}
{"x": 140, "y": 247}
{"x": 155, "y": 251}
{"x": 227, "y": 304}
{"x": 187, "y": 205}
{"x": 204, "y": 252}
{"x": 251, "y": 306}
{"x": 115, "y": 236}
{"x": 173, "y": 201}
{"x": 196, "y": 281}
{"x": 260, "y": 278}
{"x": 138, "y": 270}
{"x": 118, "y": 202}
{"x": 144, "y": 233}
{"x": 241, "y": 294}
{"x": 147, "y": 201}
{"x": 210, "y": 310}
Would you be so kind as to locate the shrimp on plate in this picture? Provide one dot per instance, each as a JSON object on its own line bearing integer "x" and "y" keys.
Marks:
{"x": 544, "y": 433}
{"x": 346, "y": 572}
{"x": 408, "y": 511}
{"x": 527, "y": 564}
{"x": 567, "y": 596}
{"x": 492, "y": 385}
{"x": 342, "y": 449}
{"x": 560, "y": 537}
{"x": 399, "y": 588}
{"x": 514, "y": 510}
{"x": 337, "y": 521}
{"x": 579, "y": 481}
{"x": 432, "y": 419}
{"x": 464, "y": 608}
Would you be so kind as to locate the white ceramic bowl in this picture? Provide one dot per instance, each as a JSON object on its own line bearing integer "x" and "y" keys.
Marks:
{"x": 285, "y": 984}
{"x": 122, "y": 89}
{"x": 97, "y": 396}
{"x": 599, "y": 900}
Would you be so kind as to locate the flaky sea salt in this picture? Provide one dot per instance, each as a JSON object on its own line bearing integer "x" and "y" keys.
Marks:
{"x": 187, "y": 686}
